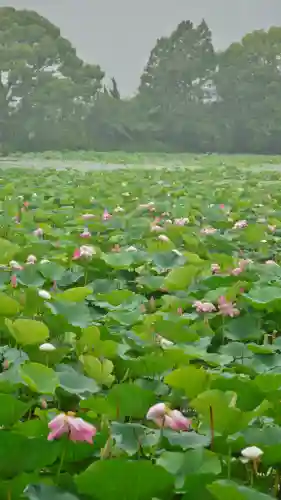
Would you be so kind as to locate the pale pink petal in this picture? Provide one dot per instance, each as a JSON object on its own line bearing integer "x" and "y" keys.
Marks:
{"x": 156, "y": 411}
{"x": 58, "y": 427}
{"x": 179, "y": 421}
{"x": 81, "y": 430}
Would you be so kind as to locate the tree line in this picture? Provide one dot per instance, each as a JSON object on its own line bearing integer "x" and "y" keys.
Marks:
{"x": 191, "y": 98}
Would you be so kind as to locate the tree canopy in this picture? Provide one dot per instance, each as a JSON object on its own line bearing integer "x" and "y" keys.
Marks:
{"x": 190, "y": 97}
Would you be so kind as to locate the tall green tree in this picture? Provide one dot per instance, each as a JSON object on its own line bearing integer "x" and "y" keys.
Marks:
{"x": 177, "y": 82}
{"x": 248, "y": 84}
{"x": 36, "y": 62}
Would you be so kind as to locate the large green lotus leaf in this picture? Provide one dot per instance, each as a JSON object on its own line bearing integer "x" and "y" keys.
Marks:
{"x": 130, "y": 400}
{"x": 7, "y": 250}
{"x": 124, "y": 317}
{"x": 268, "y": 382}
{"x": 14, "y": 488}
{"x": 8, "y": 306}
{"x": 39, "y": 378}
{"x": 150, "y": 365}
{"x": 51, "y": 271}
{"x": 69, "y": 277}
{"x": 100, "y": 405}
{"x": 227, "y": 419}
{"x": 167, "y": 260}
{"x": 5, "y": 278}
{"x": 46, "y": 492}
{"x": 89, "y": 338}
{"x": 75, "y": 383}
{"x": 249, "y": 396}
{"x": 264, "y": 297}
{"x": 186, "y": 466}
{"x": 132, "y": 437}
{"x": 151, "y": 282}
{"x": 120, "y": 260}
{"x": 140, "y": 480}
{"x": 187, "y": 440}
{"x": 191, "y": 379}
{"x": 76, "y": 314}
{"x": 29, "y": 276}
{"x": 254, "y": 233}
{"x": 20, "y": 454}
{"x": 126, "y": 298}
{"x": 100, "y": 371}
{"x": 11, "y": 409}
{"x": 175, "y": 328}
{"x": 28, "y": 331}
{"x": 180, "y": 278}
{"x": 223, "y": 489}
{"x": 77, "y": 294}
{"x": 243, "y": 328}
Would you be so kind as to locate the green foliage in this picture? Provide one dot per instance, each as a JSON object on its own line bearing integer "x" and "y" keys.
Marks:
{"x": 104, "y": 337}
{"x": 190, "y": 97}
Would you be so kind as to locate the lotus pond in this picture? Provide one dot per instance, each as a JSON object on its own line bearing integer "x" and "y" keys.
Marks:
{"x": 140, "y": 319}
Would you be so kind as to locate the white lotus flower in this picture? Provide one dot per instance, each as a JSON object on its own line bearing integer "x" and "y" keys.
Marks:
{"x": 163, "y": 342}
{"x": 47, "y": 347}
{"x": 88, "y": 216}
{"x": 119, "y": 209}
{"x": 31, "y": 259}
{"x": 87, "y": 251}
{"x": 15, "y": 265}
{"x": 38, "y": 232}
{"x": 252, "y": 453}
{"x": 44, "y": 294}
{"x": 163, "y": 237}
{"x": 131, "y": 249}
{"x": 177, "y": 252}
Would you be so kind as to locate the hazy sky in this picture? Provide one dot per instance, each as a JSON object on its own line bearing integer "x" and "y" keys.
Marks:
{"x": 119, "y": 34}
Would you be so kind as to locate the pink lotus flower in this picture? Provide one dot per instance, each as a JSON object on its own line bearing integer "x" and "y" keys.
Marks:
{"x": 31, "y": 259}
{"x": 215, "y": 268}
{"x": 204, "y": 307}
{"x": 236, "y": 271}
{"x": 162, "y": 416}
{"x": 14, "y": 281}
{"x": 222, "y": 206}
{"x": 241, "y": 266}
{"x": 38, "y": 232}
{"x": 181, "y": 221}
{"x": 88, "y": 216}
{"x": 227, "y": 308}
{"x": 86, "y": 233}
{"x": 76, "y": 428}
{"x": 76, "y": 254}
{"x": 180, "y": 311}
{"x": 106, "y": 215}
{"x": 86, "y": 251}
{"x": 240, "y": 224}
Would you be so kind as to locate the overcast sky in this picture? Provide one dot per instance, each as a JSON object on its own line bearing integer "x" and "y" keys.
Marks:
{"x": 119, "y": 34}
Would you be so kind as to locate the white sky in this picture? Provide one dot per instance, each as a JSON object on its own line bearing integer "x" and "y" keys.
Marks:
{"x": 119, "y": 34}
